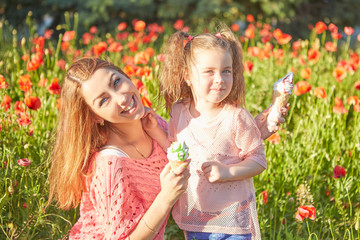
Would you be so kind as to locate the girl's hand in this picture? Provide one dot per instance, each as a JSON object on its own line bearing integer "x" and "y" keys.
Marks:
{"x": 174, "y": 182}
{"x": 215, "y": 171}
{"x": 261, "y": 121}
{"x": 149, "y": 121}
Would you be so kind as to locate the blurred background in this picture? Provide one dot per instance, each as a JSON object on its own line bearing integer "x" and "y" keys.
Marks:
{"x": 292, "y": 16}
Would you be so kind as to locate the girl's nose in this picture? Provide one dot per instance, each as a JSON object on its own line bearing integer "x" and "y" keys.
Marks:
{"x": 219, "y": 78}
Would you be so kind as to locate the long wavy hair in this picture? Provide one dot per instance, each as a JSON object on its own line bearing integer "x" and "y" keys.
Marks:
{"x": 180, "y": 54}
{"x": 77, "y": 135}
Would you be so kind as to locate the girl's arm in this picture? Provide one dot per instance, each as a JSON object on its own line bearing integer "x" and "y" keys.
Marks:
{"x": 261, "y": 121}
{"x": 152, "y": 128}
{"x": 218, "y": 172}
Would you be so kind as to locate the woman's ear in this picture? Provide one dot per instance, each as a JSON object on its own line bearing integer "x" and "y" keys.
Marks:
{"x": 98, "y": 120}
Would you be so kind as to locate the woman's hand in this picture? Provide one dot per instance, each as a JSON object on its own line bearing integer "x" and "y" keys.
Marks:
{"x": 174, "y": 182}
{"x": 261, "y": 121}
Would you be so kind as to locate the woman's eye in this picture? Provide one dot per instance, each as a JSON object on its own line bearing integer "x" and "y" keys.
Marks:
{"x": 116, "y": 82}
{"x": 227, "y": 71}
{"x": 103, "y": 101}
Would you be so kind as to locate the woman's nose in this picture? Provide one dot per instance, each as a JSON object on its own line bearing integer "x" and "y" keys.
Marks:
{"x": 219, "y": 78}
{"x": 120, "y": 99}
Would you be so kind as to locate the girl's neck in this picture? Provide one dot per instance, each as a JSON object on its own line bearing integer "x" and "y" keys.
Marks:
{"x": 206, "y": 111}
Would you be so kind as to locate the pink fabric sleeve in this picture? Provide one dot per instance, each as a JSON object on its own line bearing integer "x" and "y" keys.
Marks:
{"x": 119, "y": 210}
{"x": 248, "y": 138}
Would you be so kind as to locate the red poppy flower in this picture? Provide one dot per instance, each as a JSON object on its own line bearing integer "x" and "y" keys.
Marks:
{"x": 353, "y": 100}
{"x": 336, "y": 35}
{"x": 339, "y": 172}
{"x": 61, "y": 63}
{"x": 25, "y": 83}
{"x": 23, "y": 120}
{"x": 339, "y": 73}
{"x": 348, "y": 31}
{"x": 115, "y": 47}
{"x": 99, "y": 48}
{"x": 48, "y": 33}
{"x": 32, "y": 65}
{"x": 357, "y": 107}
{"x": 179, "y": 24}
{"x": 305, "y": 73}
{"x": 333, "y": 28}
{"x": 248, "y": 65}
{"x": 302, "y": 87}
{"x": 54, "y": 87}
{"x": 282, "y": 38}
{"x": 139, "y": 25}
{"x": 250, "y": 18}
{"x": 320, "y": 92}
{"x": 235, "y": 27}
{"x": 265, "y": 196}
{"x": 93, "y": 30}
{"x": 357, "y": 85}
{"x": 330, "y": 47}
{"x": 313, "y": 55}
{"x": 339, "y": 109}
{"x": 87, "y": 38}
{"x": 320, "y": 27}
{"x": 24, "y": 162}
{"x": 19, "y": 107}
{"x": 141, "y": 58}
{"x": 306, "y": 212}
{"x": 296, "y": 46}
{"x": 68, "y": 36}
{"x": 249, "y": 33}
{"x": 129, "y": 70}
{"x": 6, "y": 102}
{"x": 64, "y": 46}
{"x": 32, "y": 102}
{"x": 274, "y": 139}
{"x": 3, "y": 84}
{"x": 122, "y": 26}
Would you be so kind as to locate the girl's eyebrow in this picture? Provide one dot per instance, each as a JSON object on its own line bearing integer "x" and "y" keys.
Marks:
{"x": 103, "y": 93}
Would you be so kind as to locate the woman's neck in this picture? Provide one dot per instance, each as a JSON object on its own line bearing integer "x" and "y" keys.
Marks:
{"x": 129, "y": 133}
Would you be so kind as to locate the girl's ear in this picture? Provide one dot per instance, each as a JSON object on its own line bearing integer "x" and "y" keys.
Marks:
{"x": 98, "y": 119}
{"x": 187, "y": 77}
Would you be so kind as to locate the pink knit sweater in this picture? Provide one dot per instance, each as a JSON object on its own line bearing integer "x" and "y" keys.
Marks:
{"x": 118, "y": 194}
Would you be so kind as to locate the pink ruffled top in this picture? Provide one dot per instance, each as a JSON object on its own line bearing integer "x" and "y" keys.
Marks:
{"x": 118, "y": 194}
{"x": 229, "y": 138}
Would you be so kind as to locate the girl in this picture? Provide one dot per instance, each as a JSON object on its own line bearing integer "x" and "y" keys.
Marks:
{"x": 202, "y": 81}
{"x": 104, "y": 159}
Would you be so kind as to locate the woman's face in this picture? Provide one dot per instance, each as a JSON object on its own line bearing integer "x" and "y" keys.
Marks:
{"x": 112, "y": 96}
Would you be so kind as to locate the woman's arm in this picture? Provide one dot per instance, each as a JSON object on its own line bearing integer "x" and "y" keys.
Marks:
{"x": 173, "y": 184}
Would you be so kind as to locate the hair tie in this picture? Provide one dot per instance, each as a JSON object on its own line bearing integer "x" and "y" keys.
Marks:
{"x": 190, "y": 37}
{"x": 218, "y": 35}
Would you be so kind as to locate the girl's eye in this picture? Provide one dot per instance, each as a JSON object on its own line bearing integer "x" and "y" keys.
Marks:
{"x": 116, "y": 82}
{"x": 103, "y": 101}
{"x": 227, "y": 71}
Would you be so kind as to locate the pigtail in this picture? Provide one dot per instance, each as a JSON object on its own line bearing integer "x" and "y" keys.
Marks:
{"x": 238, "y": 92}
{"x": 173, "y": 86}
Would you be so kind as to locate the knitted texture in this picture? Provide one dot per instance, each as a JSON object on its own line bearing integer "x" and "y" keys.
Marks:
{"x": 229, "y": 138}
{"x": 118, "y": 194}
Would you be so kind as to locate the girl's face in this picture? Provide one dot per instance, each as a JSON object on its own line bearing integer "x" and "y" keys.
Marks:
{"x": 112, "y": 96}
{"x": 211, "y": 76}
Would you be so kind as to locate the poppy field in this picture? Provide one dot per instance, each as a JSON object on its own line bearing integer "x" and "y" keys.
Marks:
{"x": 310, "y": 189}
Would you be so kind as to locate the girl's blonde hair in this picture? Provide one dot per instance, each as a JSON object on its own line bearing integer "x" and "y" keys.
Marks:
{"x": 179, "y": 59}
{"x": 77, "y": 135}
